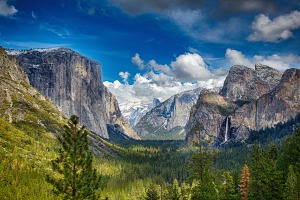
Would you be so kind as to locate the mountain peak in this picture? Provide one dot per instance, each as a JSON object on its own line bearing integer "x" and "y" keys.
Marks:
{"x": 243, "y": 83}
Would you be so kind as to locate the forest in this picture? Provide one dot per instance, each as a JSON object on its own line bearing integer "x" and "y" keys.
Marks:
{"x": 259, "y": 168}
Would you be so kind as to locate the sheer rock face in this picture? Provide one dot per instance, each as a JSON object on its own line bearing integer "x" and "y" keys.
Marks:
{"x": 17, "y": 96}
{"x": 251, "y": 99}
{"x": 246, "y": 84}
{"x": 208, "y": 112}
{"x": 169, "y": 115}
{"x": 279, "y": 105}
{"x": 74, "y": 83}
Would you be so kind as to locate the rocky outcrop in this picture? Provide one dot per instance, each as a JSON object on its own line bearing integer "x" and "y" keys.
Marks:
{"x": 73, "y": 83}
{"x": 279, "y": 105}
{"x": 249, "y": 100}
{"x": 20, "y": 102}
{"x": 210, "y": 110}
{"x": 10, "y": 69}
{"x": 246, "y": 84}
{"x": 168, "y": 119}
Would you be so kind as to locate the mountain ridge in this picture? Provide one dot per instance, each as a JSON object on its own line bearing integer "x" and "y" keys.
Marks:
{"x": 255, "y": 99}
{"x": 168, "y": 118}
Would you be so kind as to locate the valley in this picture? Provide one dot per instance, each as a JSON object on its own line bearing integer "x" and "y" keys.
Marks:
{"x": 193, "y": 145}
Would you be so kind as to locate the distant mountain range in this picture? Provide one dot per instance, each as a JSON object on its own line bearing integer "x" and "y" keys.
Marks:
{"x": 133, "y": 112}
{"x": 69, "y": 83}
{"x": 168, "y": 119}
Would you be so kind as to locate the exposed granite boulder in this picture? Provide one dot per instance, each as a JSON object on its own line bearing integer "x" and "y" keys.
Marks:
{"x": 74, "y": 83}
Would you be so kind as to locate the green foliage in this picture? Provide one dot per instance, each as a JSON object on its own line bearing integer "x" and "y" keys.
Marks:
{"x": 232, "y": 156}
{"x": 23, "y": 163}
{"x": 275, "y": 134}
{"x": 226, "y": 189}
{"x": 291, "y": 191}
{"x": 241, "y": 102}
{"x": 164, "y": 134}
{"x": 78, "y": 179}
{"x": 175, "y": 191}
{"x": 266, "y": 179}
{"x": 152, "y": 193}
{"x": 226, "y": 110}
{"x": 204, "y": 190}
{"x": 291, "y": 153}
{"x": 201, "y": 169}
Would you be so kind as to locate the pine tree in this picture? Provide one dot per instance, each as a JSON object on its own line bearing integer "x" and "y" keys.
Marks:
{"x": 201, "y": 167}
{"x": 245, "y": 182}
{"x": 291, "y": 153}
{"x": 77, "y": 179}
{"x": 185, "y": 191}
{"x": 152, "y": 193}
{"x": 266, "y": 179}
{"x": 175, "y": 191}
{"x": 201, "y": 162}
{"x": 291, "y": 186}
{"x": 227, "y": 191}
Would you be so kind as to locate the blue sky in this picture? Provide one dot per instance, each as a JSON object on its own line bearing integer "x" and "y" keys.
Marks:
{"x": 156, "y": 48}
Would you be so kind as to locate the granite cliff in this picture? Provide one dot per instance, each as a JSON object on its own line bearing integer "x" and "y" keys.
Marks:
{"x": 279, "y": 105}
{"x": 21, "y": 104}
{"x": 247, "y": 84}
{"x": 251, "y": 99}
{"x": 73, "y": 83}
{"x": 210, "y": 110}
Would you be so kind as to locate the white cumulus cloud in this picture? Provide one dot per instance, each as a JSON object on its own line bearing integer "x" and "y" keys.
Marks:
{"x": 125, "y": 76}
{"x": 280, "y": 28}
{"x": 190, "y": 67}
{"x": 279, "y": 62}
{"x": 162, "y": 81}
{"x": 138, "y": 61}
{"x": 158, "y": 67}
{"x": 7, "y": 10}
{"x": 237, "y": 58}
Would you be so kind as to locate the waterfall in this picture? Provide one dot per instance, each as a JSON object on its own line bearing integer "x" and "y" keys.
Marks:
{"x": 226, "y": 131}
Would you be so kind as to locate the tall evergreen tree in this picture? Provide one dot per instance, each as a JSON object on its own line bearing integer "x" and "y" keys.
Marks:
{"x": 201, "y": 166}
{"x": 175, "y": 191}
{"x": 245, "y": 182}
{"x": 226, "y": 191}
{"x": 77, "y": 179}
{"x": 291, "y": 153}
{"x": 291, "y": 186}
{"x": 152, "y": 193}
{"x": 185, "y": 191}
{"x": 266, "y": 179}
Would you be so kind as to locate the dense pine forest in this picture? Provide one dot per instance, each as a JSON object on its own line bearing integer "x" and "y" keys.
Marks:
{"x": 255, "y": 169}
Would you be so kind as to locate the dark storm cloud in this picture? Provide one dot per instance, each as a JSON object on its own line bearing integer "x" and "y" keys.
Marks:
{"x": 233, "y": 6}
{"x": 135, "y": 7}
